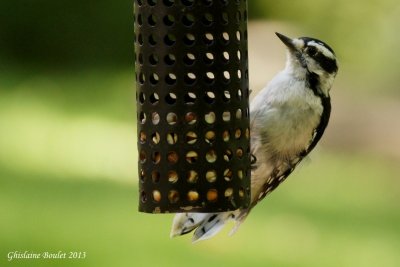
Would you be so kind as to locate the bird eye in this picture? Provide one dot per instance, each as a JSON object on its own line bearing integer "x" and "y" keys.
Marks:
{"x": 311, "y": 51}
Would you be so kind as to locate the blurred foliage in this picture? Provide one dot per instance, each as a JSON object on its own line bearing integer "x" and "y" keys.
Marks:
{"x": 67, "y": 124}
{"x": 363, "y": 34}
{"x": 66, "y": 33}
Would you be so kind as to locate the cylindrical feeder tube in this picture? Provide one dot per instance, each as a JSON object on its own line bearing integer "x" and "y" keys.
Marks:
{"x": 192, "y": 105}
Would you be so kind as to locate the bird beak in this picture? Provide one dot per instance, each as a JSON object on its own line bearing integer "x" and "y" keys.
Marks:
{"x": 287, "y": 41}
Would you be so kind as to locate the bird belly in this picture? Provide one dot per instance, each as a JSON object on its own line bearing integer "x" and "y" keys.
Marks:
{"x": 285, "y": 134}
{"x": 290, "y": 130}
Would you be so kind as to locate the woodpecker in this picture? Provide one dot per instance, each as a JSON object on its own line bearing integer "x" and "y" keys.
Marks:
{"x": 288, "y": 118}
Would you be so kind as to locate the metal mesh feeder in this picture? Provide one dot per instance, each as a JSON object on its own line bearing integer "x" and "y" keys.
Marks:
{"x": 192, "y": 105}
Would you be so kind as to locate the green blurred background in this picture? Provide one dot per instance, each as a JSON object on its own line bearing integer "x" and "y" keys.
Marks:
{"x": 68, "y": 177}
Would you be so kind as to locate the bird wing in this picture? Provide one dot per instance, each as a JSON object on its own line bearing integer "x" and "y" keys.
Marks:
{"x": 319, "y": 131}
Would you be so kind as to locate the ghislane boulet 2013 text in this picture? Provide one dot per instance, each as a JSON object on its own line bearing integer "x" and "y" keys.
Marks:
{"x": 15, "y": 255}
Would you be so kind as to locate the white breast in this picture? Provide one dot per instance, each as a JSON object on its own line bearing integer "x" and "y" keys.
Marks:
{"x": 284, "y": 116}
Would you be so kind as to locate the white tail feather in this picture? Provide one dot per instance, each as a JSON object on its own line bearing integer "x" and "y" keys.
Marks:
{"x": 207, "y": 225}
{"x": 186, "y": 222}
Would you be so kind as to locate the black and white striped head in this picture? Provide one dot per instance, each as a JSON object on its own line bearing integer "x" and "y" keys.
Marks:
{"x": 312, "y": 57}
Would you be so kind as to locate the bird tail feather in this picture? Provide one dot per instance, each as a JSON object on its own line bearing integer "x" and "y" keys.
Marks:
{"x": 206, "y": 225}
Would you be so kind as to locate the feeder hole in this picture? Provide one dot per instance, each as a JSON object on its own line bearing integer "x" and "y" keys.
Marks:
{"x": 240, "y": 174}
{"x": 142, "y": 176}
{"x": 209, "y": 97}
{"x": 172, "y": 118}
{"x": 208, "y": 38}
{"x": 228, "y": 175}
{"x": 212, "y": 195}
{"x": 191, "y": 138}
{"x": 155, "y": 118}
{"x": 168, "y": 3}
{"x": 192, "y": 177}
{"x": 188, "y": 20}
{"x": 140, "y": 58}
{"x": 154, "y": 98}
{"x": 191, "y": 157}
{"x": 238, "y": 37}
{"x": 142, "y": 137}
{"x": 225, "y": 18}
{"x": 142, "y": 157}
{"x": 153, "y": 59}
{"x": 188, "y": 2}
{"x": 152, "y": 20}
{"x": 209, "y": 117}
{"x": 228, "y": 155}
{"x": 155, "y": 176}
{"x": 189, "y": 59}
{"x": 210, "y": 137}
{"x": 155, "y": 138}
{"x": 225, "y": 37}
{"x": 152, "y": 40}
{"x": 189, "y": 39}
{"x": 190, "y": 118}
{"x": 228, "y": 193}
{"x": 172, "y": 177}
{"x": 140, "y": 39}
{"x": 140, "y": 20}
{"x": 238, "y": 133}
{"x": 152, "y": 2}
{"x": 173, "y": 196}
{"x": 207, "y": 19}
{"x": 170, "y": 60}
{"x": 156, "y": 157}
{"x": 192, "y": 196}
{"x": 170, "y": 98}
{"x": 247, "y": 133}
{"x": 211, "y": 156}
{"x": 172, "y": 138}
{"x": 225, "y": 57}
{"x": 169, "y": 20}
{"x": 143, "y": 197}
{"x": 241, "y": 192}
{"x": 172, "y": 157}
{"x": 227, "y": 77}
{"x": 238, "y": 114}
{"x": 226, "y": 136}
{"x": 227, "y": 96}
{"x": 170, "y": 79}
{"x": 238, "y": 16}
{"x": 154, "y": 78}
{"x": 156, "y": 196}
{"x": 211, "y": 176}
{"x": 169, "y": 39}
{"x": 190, "y": 78}
{"x": 226, "y": 116}
{"x": 239, "y": 94}
{"x": 209, "y": 78}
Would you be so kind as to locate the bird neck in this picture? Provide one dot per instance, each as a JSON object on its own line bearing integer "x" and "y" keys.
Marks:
{"x": 295, "y": 67}
{"x": 320, "y": 84}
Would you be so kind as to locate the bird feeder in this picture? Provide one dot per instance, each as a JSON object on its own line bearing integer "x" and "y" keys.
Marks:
{"x": 192, "y": 105}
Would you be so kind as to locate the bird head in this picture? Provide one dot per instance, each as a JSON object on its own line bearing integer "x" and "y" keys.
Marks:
{"x": 311, "y": 56}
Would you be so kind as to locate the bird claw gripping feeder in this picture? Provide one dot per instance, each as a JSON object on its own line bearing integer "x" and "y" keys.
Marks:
{"x": 192, "y": 105}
